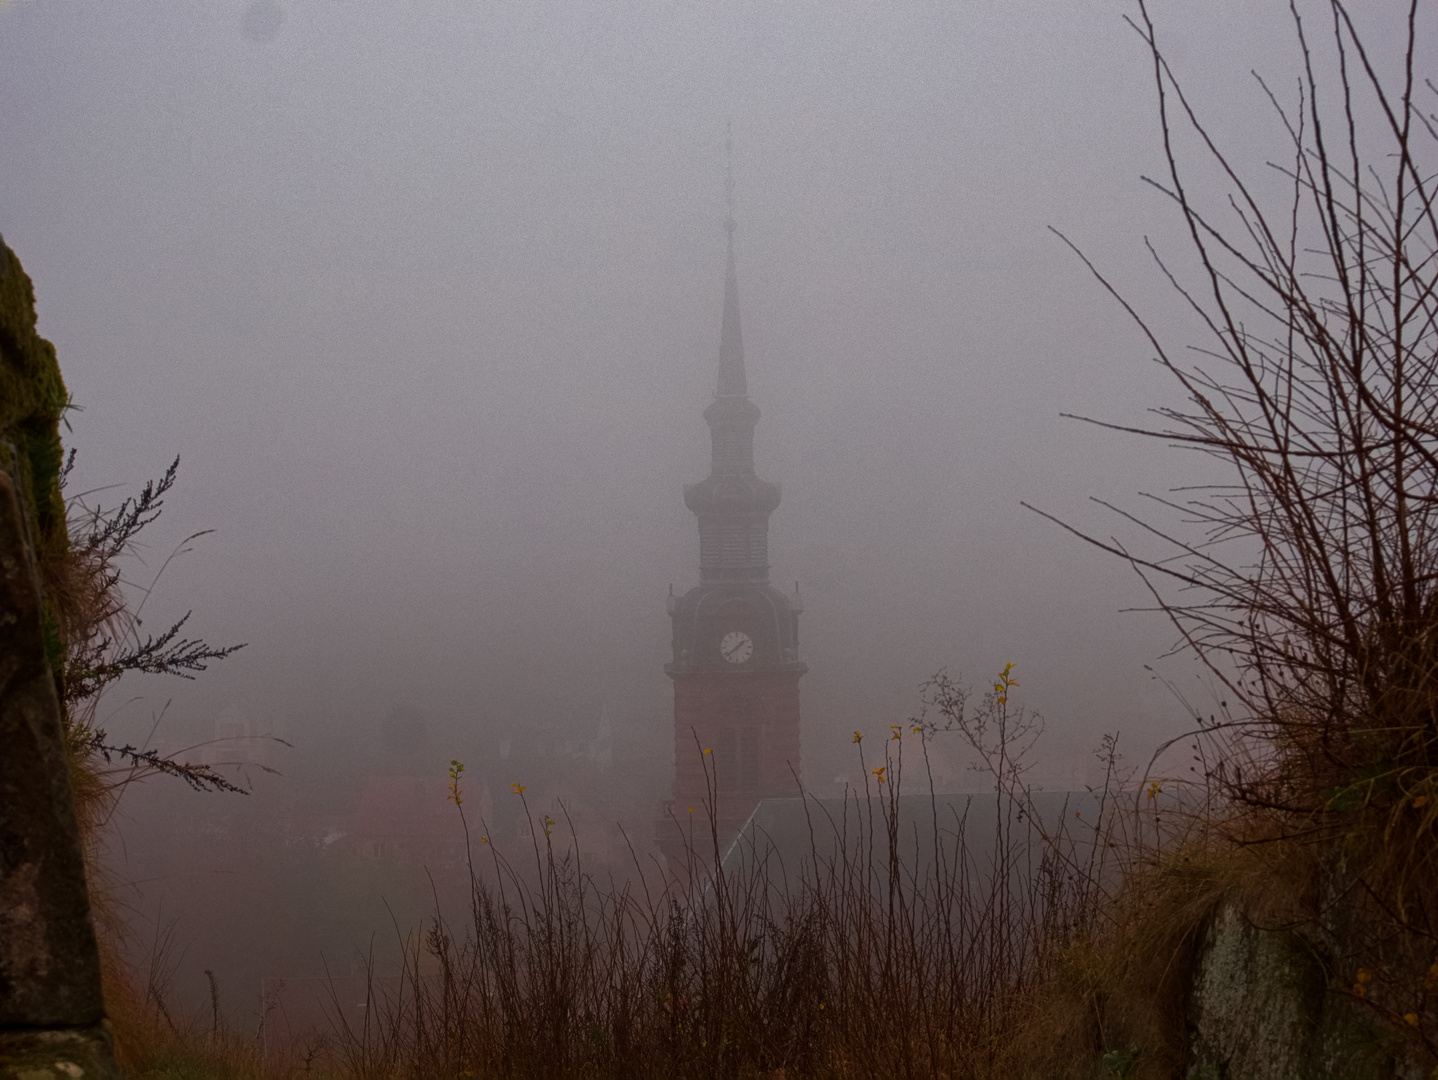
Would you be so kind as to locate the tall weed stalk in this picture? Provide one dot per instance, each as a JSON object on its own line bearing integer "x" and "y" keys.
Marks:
{"x": 888, "y": 950}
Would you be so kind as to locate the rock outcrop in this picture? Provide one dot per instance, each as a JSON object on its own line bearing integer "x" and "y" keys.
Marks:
{"x": 1262, "y": 1007}
{"x": 52, "y": 1013}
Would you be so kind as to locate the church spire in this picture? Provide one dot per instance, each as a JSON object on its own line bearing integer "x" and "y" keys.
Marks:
{"x": 731, "y": 341}
{"x": 733, "y": 505}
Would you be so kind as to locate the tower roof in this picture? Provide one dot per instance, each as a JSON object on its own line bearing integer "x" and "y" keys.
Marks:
{"x": 733, "y": 505}
{"x": 731, "y": 341}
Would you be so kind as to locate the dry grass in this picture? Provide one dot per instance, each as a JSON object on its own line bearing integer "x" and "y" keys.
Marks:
{"x": 852, "y": 964}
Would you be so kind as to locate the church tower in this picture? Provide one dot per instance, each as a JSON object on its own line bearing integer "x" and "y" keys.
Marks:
{"x": 736, "y": 665}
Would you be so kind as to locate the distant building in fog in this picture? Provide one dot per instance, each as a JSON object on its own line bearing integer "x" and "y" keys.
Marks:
{"x": 238, "y": 742}
{"x": 735, "y": 663}
{"x": 411, "y": 819}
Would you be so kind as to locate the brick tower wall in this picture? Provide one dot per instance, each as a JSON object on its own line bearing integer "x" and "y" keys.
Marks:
{"x": 750, "y": 725}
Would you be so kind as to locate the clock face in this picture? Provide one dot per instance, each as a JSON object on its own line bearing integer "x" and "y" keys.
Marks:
{"x": 736, "y": 646}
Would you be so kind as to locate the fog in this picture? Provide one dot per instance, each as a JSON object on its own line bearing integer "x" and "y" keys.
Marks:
{"x": 427, "y": 300}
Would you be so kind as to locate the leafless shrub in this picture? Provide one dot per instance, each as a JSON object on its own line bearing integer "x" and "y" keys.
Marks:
{"x": 1310, "y": 582}
{"x": 1307, "y": 581}
{"x": 102, "y": 640}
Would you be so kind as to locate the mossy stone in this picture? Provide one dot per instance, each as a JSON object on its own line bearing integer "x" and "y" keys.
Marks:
{"x": 66, "y": 1054}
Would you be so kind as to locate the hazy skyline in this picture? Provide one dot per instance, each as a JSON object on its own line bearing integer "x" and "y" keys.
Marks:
{"x": 427, "y": 300}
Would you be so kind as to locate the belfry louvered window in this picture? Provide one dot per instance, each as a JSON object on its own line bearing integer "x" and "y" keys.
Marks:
{"x": 736, "y": 546}
{"x": 709, "y": 545}
{"x": 738, "y": 759}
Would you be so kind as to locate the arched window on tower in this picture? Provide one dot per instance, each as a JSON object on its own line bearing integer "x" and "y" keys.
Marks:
{"x": 739, "y": 752}
{"x": 759, "y": 543}
{"x": 738, "y": 759}
{"x": 709, "y": 543}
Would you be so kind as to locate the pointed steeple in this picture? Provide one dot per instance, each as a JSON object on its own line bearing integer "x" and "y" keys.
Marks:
{"x": 731, "y": 341}
{"x": 735, "y": 665}
{"x": 733, "y": 505}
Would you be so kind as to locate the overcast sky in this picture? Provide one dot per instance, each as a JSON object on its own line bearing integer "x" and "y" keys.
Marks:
{"x": 427, "y": 298}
